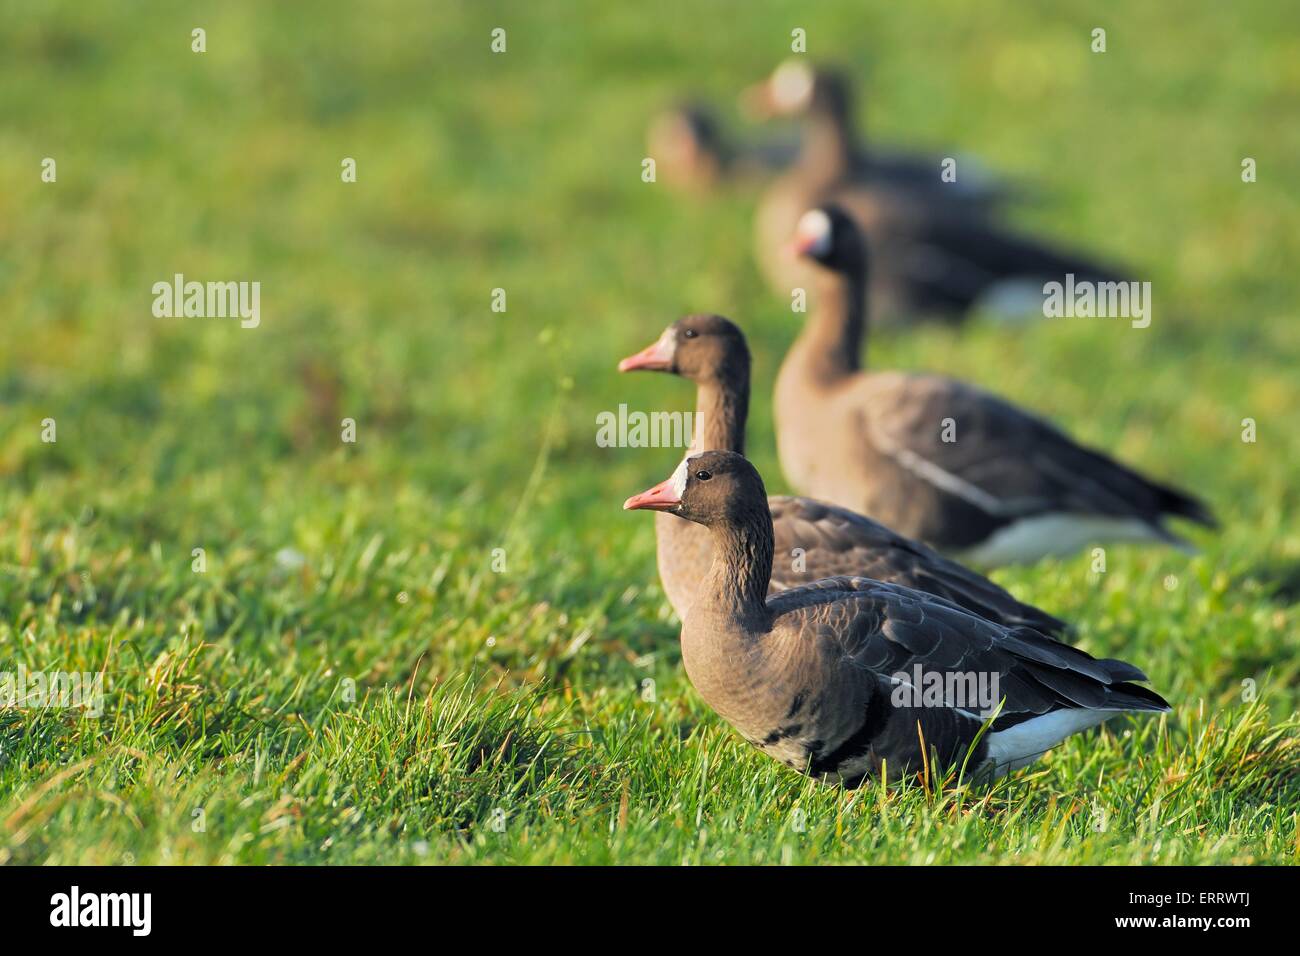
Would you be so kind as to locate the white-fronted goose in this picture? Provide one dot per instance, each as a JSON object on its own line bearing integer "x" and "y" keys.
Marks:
{"x": 938, "y": 459}
{"x": 814, "y": 540}
{"x": 938, "y": 251}
{"x": 833, "y": 152}
{"x": 824, "y": 677}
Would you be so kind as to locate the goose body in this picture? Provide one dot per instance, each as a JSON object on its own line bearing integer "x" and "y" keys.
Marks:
{"x": 813, "y": 539}
{"x": 823, "y": 677}
{"x": 935, "y": 458}
{"x": 940, "y": 250}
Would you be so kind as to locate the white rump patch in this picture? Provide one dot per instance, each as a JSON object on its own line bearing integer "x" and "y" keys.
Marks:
{"x": 1021, "y": 745}
{"x": 1054, "y": 536}
{"x": 1013, "y": 301}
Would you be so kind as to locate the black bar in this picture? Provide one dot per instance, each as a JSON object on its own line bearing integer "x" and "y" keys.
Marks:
{"x": 334, "y": 905}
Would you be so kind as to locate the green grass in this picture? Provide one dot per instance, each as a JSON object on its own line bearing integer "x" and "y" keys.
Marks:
{"x": 521, "y": 690}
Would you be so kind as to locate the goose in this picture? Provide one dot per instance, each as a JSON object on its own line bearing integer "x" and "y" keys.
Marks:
{"x": 940, "y": 251}
{"x": 937, "y": 459}
{"x": 814, "y": 540}
{"x": 832, "y": 150}
{"x": 848, "y": 679}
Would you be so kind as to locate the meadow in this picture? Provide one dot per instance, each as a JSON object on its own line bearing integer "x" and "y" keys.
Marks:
{"x": 444, "y": 642}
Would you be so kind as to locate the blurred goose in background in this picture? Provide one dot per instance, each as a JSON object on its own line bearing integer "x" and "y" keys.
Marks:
{"x": 934, "y": 458}
{"x": 939, "y": 251}
{"x": 694, "y": 152}
{"x": 832, "y": 152}
{"x": 824, "y": 677}
{"x": 814, "y": 540}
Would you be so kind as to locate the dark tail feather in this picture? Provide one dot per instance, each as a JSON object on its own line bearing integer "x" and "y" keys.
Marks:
{"x": 1119, "y": 670}
{"x": 1182, "y": 505}
{"x": 1008, "y": 255}
{"x": 1029, "y": 616}
{"x": 1131, "y": 696}
{"x": 1137, "y": 697}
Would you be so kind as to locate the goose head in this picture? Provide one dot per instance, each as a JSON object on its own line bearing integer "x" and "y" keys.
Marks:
{"x": 703, "y": 348}
{"x": 713, "y": 487}
{"x": 689, "y": 144}
{"x": 797, "y": 88}
{"x": 828, "y": 236}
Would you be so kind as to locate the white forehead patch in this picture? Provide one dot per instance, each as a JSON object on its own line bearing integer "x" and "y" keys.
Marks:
{"x": 815, "y": 227}
{"x": 679, "y": 479}
{"x": 792, "y": 86}
{"x": 668, "y": 342}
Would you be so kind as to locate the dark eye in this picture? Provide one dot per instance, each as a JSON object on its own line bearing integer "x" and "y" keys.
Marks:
{"x": 690, "y": 333}
{"x": 704, "y": 475}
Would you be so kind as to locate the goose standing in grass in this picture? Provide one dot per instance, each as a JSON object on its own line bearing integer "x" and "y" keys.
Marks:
{"x": 814, "y": 540}
{"x": 939, "y": 250}
{"x": 934, "y": 458}
{"x": 849, "y": 678}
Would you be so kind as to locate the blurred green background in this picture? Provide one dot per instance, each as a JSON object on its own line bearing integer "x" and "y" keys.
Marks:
{"x": 476, "y": 430}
